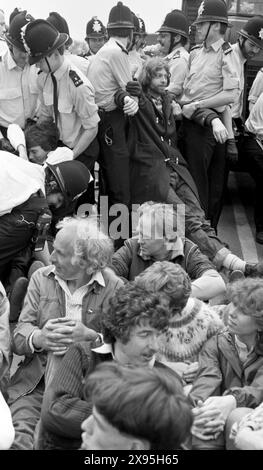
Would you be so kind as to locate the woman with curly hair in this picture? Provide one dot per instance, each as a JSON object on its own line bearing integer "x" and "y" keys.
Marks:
{"x": 231, "y": 366}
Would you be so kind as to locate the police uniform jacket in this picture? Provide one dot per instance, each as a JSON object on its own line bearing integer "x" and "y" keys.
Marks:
{"x": 45, "y": 299}
{"x": 77, "y": 110}
{"x": 18, "y": 92}
{"x": 108, "y": 71}
{"x": 211, "y": 70}
{"x": 178, "y": 66}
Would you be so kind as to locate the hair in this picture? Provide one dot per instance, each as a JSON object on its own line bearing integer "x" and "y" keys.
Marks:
{"x": 146, "y": 403}
{"x": 170, "y": 279}
{"x": 89, "y": 242}
{"x": 45, "y": 134}
{"x": 247, "y": 295}
{"x": 163, "y": 220}
{"x": 131, "y": 306}
{"x": 6, "y": 146}
{"x": 61, "y": 51}
{"x": 223, "y": 27}
{"x": 119, "y": 32}
{"x": 150, "y": 69}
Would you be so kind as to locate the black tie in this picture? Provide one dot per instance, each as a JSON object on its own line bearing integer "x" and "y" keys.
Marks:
{"x": 55, "y": 97}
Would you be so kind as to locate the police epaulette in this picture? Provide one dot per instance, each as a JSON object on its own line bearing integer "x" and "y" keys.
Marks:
{"x": 75, "y": 78}
{"x": 198, "y": 46}
{"x": 227, "y": 48}
{"x": 177, "y": 55}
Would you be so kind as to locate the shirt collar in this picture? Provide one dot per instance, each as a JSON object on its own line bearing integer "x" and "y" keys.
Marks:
{"x": 216, "y": 45}
{"x": 106, "y": 348}
{"x": 62, "y": 69}
{"x": 242, "y": 346}
{"x": 96, "y": 277}
{"x": 123, "y": 48}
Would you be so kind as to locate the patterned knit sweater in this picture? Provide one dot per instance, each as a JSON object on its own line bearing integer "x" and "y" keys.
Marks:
{"x": 189, "y": 331}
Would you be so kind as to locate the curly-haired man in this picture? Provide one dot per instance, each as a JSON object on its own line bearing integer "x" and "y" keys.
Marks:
{"x": 131, "y": 326}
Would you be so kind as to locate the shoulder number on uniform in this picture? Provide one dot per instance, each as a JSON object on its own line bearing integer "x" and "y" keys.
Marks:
{"x": 75, "y": 78}
{"x": 227, "y": 48}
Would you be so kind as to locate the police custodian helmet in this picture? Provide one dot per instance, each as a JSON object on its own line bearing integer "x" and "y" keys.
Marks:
{"x": 41, "y": 38}
{"x": 60, "y": 24}
{"x": 95, "y": 28}
{"x": 13, "y": 36}
{"x": 72, "y": 178}
{"x": 120, "y": 17}
{"x": 253, "y": 30}
{"x": 212, "y": 10}
{"x": 175, "y": 22}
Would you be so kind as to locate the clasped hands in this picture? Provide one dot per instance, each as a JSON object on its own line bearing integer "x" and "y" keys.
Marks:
{"x": 59, "y": 333}
{"x": 210, "y": 416}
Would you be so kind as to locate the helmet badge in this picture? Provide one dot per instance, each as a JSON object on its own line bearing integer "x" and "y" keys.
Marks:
{"x": 22, "y": 35}
{"x": 96, "y": 26}
{"x": 201, "y": 9}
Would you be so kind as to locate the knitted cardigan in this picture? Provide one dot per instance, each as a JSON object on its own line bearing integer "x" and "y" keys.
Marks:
{"x": 189, "y": 331}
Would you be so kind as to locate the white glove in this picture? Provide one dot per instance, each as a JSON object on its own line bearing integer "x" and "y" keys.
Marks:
{"x": 16, "y": 136}
{"x": 17, "y": 139}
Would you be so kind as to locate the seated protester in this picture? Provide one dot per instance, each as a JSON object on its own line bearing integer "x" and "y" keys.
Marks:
{"x": 42, "y": 143}
{"x": 135, "y": 409}
{"x": 5, "y": 356}
{"x": 193, "y": 321}
{"x": 27, "y": 192}
{"x": 131, "y": 326}
{"x": 247, "y": 432}
{"x": 158, "y": 240}
{"x": 158, "y": 172}
{"x": 7, "y": 432}
{"x": 230, "y": 374}
{"x": 61, "y": 303}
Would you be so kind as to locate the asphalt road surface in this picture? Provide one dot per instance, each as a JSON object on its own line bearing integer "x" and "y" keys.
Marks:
{"x": 236, "y": 225}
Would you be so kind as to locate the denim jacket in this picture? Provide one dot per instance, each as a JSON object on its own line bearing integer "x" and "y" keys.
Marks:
{"x": 44, "y": 300}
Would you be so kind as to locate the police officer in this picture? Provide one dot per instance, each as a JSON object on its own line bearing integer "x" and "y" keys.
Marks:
{"x": 62, "y": 26}
{"x": 248, "y": 46}
{"x": 108, "y": 72}
{"x": 211, "y": 82}
{"x": 65, "y": 93}
{"x": 96, "y": 36}
{"x": 250, "y": 139}
{"x": 173, "y": 37}
{"x": 136, "y": 57}
{"x": 27, "y": 190}
{"x": 18, "y": 81}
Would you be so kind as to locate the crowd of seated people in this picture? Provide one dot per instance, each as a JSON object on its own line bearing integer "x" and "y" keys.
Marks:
{"x": 110, "y": 333}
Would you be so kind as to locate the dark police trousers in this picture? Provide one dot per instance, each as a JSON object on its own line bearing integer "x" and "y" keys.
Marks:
{"x": 250, "y": 159}
{"x": 16, "y": 230}
{"x": 207, "y": 164}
